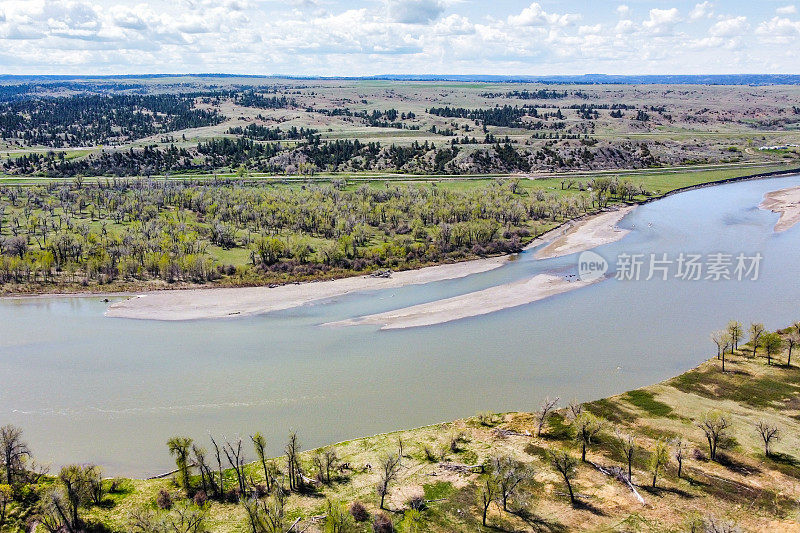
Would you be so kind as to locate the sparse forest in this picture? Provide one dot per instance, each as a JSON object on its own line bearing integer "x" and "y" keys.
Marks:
{"x": 239, "y": 231}
{"x": 721, "y": 440}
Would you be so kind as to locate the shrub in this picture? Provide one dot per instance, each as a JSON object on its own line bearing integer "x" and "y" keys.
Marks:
{"x": 200, "y": 498}
{"x": 417, "y": 502}
{"x": 359, "y": 512}
{"x": 164, "y": 500}
{"x": 382, "y": 524}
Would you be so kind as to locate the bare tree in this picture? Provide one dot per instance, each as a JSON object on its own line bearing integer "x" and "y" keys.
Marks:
{"x": 627, "y": 446}
{"x": 15, "y": 452}
{"x": 218, "y": 456}
{"x": 390, "y": 466}
{"x": 575, "y": 409}
{"x": 266, "y": 516}
{"x": 235, "y": 455}
{"x": 545, "y": 410}
{"x": 507, "y": 475}
{"x": 756, "y": 331}
{"x": 292, "y": 452}
{"x": 769, "y": 433}
{"x": 715, "y": 425}
{"x": 679, "y": 453}
{"x": 566, "y": 465}
{"x": 487, "y": 497}
{"x": 185, "y": 519}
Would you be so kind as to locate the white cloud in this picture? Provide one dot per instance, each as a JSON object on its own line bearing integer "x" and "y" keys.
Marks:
{"x": 334, "y": 37}
{"x": 534, "y": 15}
{"x": 786, "y": 10}
{"x": 662, "y": 20}
{"x": 701, "y": 11}
{"x": 730, "y": 27}
{"x": 779, "y": 29}
{"x": 415, "y": 11}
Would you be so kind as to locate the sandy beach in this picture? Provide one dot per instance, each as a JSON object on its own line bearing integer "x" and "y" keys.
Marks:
{"x": 231, "y": 302}
{"x": 786, "y": 202}
{"x": 471, "y": 304}
{"x": 587, "y": 234}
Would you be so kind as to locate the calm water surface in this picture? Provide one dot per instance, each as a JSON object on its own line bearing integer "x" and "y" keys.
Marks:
{"x": 111, "y": 391}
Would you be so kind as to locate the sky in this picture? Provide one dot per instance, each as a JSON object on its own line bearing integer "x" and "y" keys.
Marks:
{"x": 372, "y": 37}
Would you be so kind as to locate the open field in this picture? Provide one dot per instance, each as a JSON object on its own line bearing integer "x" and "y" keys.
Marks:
{"x": 443, "y": 469}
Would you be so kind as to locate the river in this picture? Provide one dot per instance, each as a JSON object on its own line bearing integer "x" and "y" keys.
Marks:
{"x": 86, "y": 388}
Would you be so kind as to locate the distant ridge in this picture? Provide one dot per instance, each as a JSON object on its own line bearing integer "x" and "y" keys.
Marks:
{"x": 584, "y": 79}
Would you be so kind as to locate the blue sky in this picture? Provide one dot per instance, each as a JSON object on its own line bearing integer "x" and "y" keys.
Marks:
{"x": 367, "y": 37}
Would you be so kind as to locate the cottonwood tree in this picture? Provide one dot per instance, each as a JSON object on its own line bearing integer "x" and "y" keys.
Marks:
{"x": 756, "y": 332}
{"x": 488, "y": 495}
{"x": 715, "y": 426}
{"x": 545, "y": 410}
{"x": 658, "y": 460}
{"x": 507, "y": 475}
{"x": 679, "y": 453}
{"x": 792, "y": 340}
{"x": 736, "y": 331}
{"x": 292, "y": 452}
{"x": 260, "y": 445}
{"x": 390, "y": 467}
{"x": 587, "y": 427}
{"x": 218, "y": 456}
{"x": 6, "y": 497}
{"x": 266, "y": 516}
{"x": 235, "y": 455}
{"x": 325, "y": 462}
{"x": 566, "y": 465}
{"x": 185, "y": 518}
{"x": 627, "y": 446}
{"x": 179, "y": 448}
{"x": 773, "y": 344}
{"x": 206, "y": 477}
{"x": 722, "y": 339}
{"x": 769, "y": 433}
{"x": 62, "y": 504}
{"x": 575, "y": 409}
{"x": 15, "y": 452}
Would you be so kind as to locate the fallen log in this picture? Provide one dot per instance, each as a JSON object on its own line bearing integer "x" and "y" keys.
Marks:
{"x": 619, "y": 475}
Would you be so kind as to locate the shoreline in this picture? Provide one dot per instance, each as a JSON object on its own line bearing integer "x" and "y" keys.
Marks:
{"x": 469, "y": 305}
{"x": 786, "y": 203}
{"x": 587, "y": 234}
{"x": 215, "y": 303}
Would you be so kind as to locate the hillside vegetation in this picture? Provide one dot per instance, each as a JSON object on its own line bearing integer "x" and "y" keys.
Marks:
{"x": 709, "y": 450}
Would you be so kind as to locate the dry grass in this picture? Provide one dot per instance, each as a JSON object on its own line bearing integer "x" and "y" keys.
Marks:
{"x": 745, "y": 487}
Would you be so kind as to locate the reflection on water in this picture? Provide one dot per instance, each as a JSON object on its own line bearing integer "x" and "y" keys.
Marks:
{"x": 88, "y": 388}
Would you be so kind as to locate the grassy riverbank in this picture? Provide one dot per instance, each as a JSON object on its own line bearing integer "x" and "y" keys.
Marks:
{"x": 444, "y": 468}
